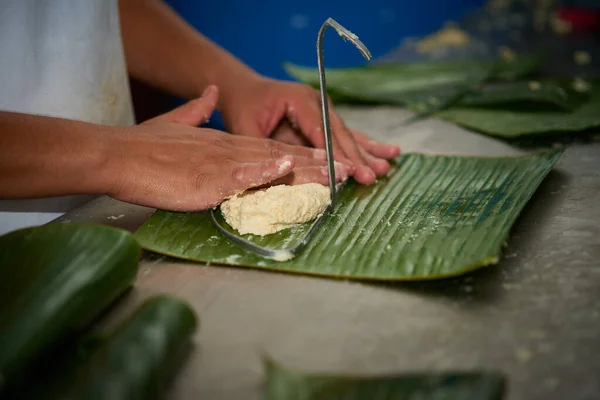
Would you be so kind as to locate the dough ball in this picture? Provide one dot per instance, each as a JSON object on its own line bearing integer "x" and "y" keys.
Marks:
{"x": 266, "y": 211}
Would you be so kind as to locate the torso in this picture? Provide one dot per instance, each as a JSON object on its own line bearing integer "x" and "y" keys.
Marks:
{"x": 60, "y": 58}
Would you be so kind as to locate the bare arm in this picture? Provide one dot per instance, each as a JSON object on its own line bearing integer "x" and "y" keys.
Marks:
{"x": 164, "y": 51}
{"x": 165, "y": 162}
{"x": 44, "y": 157}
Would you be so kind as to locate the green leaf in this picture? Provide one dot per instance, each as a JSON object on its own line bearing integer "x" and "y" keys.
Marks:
{"x": 431, "y": 217}
{"x": 54, "y": 280}
{"x": 516, "y": 122}
{"x": 465, "y": 87}
{"x": 558, "y": 95}
{"x": 287, "y": 385}
{"x": 410, "y": 77}
{"x": 136, "y": 361}
{"x": 361, "y": 82}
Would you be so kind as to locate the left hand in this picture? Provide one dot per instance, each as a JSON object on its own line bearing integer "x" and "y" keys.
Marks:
{"x": 291, "y": 112}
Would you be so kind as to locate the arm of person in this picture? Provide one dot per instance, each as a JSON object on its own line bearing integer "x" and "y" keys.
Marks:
{"x": 164, "y": 51}
{"x": 164, "y": 163}
{"x": 45, "y": 157}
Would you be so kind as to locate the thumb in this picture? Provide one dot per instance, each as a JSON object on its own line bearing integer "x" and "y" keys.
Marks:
{"x": 194, "y": 112}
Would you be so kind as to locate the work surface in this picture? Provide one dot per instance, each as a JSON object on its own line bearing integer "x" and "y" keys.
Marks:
{"x": 535, "y": 316}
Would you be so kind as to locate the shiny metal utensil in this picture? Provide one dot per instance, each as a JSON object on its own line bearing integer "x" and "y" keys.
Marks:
{"x": 288, "y": 254}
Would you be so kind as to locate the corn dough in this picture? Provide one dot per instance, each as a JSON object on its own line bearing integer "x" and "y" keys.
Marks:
{"x": 266, "y": 211}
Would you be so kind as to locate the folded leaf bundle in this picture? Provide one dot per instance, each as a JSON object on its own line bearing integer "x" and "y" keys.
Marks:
{"x": 431, "y": 217}
{"x": 54, "y": 280}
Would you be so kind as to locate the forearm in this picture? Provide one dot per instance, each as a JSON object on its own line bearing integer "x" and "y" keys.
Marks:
{"x": 46, "y": 157}
{"x": 164, "y": 51}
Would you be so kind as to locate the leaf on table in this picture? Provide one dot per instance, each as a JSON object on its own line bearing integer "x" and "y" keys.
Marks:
{"x": 282, "y": 384}
{"x": 515, "y": 122}
{"x": 54, "y": 280}
{"x": 431, "y": 217}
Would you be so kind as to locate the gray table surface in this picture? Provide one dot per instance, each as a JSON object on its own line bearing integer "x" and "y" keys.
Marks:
{"x": 535, "y": 316}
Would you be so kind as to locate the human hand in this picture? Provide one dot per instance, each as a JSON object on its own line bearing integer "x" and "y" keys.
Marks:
{"x": 291, "y": 112}
{"x": 168, "y": 163}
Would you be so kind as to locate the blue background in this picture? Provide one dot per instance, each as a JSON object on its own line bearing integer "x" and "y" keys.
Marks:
{"x": 266, "y": 33}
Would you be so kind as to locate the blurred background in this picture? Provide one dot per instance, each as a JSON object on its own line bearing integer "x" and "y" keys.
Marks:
{"x": 268, "y": 33}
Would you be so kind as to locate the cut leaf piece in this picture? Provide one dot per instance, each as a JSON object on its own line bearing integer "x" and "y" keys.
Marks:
{"x": 515, "y": 122}
{"x": 431, "y": 217}
{"x": 287, "y": 385}
{"x": 54, "y": 280}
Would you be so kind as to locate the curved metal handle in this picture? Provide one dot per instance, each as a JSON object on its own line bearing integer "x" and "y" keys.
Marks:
{"x": 346, "y": 35}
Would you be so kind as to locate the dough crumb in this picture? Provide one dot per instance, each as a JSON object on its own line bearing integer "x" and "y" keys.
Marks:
{"x": 270, "y": 210}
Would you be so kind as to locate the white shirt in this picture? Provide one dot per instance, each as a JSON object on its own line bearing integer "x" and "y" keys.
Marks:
{"x": 61, "y": 58}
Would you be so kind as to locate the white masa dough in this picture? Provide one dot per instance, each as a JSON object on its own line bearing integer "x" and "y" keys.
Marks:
{"x": 270, "y": 210}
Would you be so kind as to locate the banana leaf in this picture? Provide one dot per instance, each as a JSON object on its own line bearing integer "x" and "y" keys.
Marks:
{"x": 54, "y": 280}
{"x": 431, "y": 217}
{"x": 411, "y": 77}
{"x": 511, "y": 123}
{"x": 379, "y": 85}
{"x": 283, "y": 384}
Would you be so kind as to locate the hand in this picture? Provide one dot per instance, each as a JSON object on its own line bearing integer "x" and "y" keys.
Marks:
{"x": 291, "y": 112}
{"x": 168, "y": 163}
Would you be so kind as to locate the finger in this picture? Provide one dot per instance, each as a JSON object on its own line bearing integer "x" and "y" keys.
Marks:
{"x": 303, "y": 175}
{"x": 378, "y": 165}
{"x": 244, "y": 176}
{"x": 194, "y": 112}
{"x": 377, "y": 149}
{"x": 307, "y": 117}
{"x": 285, "y": 133}
{"x": 364, "y": 173}
{"x": 273, "y": 148}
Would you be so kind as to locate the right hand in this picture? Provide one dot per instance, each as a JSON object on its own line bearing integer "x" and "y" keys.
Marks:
{"x": 168, "y": 163}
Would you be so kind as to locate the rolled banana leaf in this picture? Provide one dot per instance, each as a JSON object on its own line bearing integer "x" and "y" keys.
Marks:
{"x": 282, "y": 384}
{"x": 135, "y": 361}
{"x": 54, "y": 280}
{"x": 431, "y": 217}
{"x": 140, "y": 357}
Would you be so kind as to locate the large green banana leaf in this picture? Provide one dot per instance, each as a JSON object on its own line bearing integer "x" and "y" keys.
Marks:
{"x": 432, "y": 216}
{"x": 283, "y": 384}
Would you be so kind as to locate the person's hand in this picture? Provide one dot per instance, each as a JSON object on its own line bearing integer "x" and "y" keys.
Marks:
{"x": 168, "y": 163}
{"x": 291, "y": 112}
